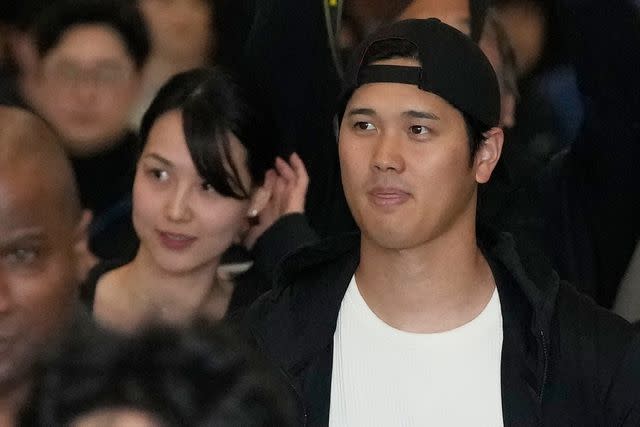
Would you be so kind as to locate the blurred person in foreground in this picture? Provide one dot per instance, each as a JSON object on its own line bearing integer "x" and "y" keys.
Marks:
{"x": 457, "y": 326}
{"x": 43, "y": 243}
{"x": 199, "y": 377}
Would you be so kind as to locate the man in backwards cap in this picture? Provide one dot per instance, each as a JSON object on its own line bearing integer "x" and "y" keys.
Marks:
{"x": 421, "y": 319}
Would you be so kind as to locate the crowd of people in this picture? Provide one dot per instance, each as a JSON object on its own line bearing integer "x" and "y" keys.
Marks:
{"x": 340, "y": 212}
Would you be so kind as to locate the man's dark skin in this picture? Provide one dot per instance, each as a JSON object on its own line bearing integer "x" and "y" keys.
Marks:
{"x": 42, "y": 245}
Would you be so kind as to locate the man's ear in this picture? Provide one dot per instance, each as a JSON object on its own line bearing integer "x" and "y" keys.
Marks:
{"x": 85, "y": 260}
{"x": 488, "y": 154}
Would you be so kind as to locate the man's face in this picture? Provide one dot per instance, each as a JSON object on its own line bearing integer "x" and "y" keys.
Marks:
{"x": 405, "y": 162}
{"x": 88, "y": 84}
{"x": 37, "y": 268}
{"x": 452, "y": 12}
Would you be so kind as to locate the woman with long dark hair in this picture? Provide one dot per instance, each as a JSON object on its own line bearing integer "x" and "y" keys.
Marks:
{"x": 203, "y": 177}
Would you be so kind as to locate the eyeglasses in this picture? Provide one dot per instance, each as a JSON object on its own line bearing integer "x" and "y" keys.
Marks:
{"x": 70, "y": 74}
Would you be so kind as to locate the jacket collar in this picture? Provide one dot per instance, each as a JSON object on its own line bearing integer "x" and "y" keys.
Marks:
{"x": 313, "y": 282}
{"x": 296, "y": 322}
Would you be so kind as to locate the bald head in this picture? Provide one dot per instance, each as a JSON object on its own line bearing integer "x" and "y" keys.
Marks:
{"x": 29, "y": 145}
{"x": 42, "y": 235}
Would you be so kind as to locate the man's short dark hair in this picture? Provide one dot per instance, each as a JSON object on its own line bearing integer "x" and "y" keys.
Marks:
{"x": 122, "y": 16}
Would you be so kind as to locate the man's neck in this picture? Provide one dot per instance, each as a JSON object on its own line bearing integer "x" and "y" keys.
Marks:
{"x": 435, "y": 287}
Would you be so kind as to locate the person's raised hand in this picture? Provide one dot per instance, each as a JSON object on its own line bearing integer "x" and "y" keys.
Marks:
{"x": 286, "y": 186}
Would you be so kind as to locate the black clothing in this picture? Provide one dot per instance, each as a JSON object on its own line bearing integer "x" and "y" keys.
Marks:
{"x": 105, "y": 181}
{"x": 88, "y": 288}
{"x": 9, "y": 93}
{"x": 105, "y": 177}
{"x": 248, "y": 286}
{"x": 285, "y": 236}
{"x": 565, "y": 361}
{"x": 590, "y": 195}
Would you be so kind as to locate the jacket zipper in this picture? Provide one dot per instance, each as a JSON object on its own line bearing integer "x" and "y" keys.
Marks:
{"x": 289, "y": 381}
{"x": 546, "y": 365}
{"x": 544, "y": 374}
{"x": 297, "y": 394}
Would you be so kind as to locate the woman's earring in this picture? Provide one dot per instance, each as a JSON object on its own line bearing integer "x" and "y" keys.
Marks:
{"x": 253, "y": 217}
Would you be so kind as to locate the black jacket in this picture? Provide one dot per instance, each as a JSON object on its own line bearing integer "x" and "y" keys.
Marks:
{"x": 105, "y": 181}
{"x": 565, "y": 361}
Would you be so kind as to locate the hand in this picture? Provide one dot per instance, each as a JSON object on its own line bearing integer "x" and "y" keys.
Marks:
{"x": 287, "y": 188}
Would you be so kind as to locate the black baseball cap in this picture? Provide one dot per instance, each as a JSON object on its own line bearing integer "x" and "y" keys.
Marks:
{"x": 452, "y": 66}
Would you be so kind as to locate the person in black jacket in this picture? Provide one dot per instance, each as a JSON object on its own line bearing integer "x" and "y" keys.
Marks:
{"x": 423, "y": 318}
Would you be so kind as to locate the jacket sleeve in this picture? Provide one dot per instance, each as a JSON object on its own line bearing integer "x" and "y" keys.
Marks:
{"x": 604, "y": 41}
{"x": 285, "y": 236}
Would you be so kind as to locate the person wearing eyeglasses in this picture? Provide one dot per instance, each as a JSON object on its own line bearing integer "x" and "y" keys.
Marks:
{"x": 90, "y": 57}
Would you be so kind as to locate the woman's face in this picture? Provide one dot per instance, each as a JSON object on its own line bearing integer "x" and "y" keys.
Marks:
{"x": 183, "y": 223}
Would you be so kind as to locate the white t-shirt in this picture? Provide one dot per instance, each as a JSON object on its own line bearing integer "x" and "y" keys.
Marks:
{"x": 386, "y": 377}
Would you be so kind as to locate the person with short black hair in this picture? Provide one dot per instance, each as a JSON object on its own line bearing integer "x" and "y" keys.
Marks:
{"x": 424, "y": 317}
{"x": 202, "y": 376}
{"x": 90, "y": 56}
{"x": 91, "y": 53}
